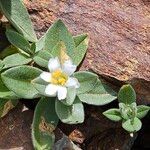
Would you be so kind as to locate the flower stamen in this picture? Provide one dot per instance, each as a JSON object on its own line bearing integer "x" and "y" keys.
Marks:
{"x": 59, "y": 78}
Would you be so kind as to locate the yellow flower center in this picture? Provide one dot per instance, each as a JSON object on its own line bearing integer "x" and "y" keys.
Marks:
{"x": 58, "y": 77}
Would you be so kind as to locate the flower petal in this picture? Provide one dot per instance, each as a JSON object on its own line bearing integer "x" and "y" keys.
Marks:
{"x": 68, "y": 67}
{"x": 72, "y": 82}
{"x": 51, "y": 89}
{"x": 62, "y": 92}
{"x": 53, "y": 64}
{"x": 46, "y": 76}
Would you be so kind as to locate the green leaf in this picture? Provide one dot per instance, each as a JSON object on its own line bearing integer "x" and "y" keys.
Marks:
{"x": 5, "y": 93}
{"x": 40, "y": 44}
{"x": 59, "y": 33}
{"x": 8, "y": 51}
{"x": 18, "y": 79}
{"x": 101, "y": 94}
{"x": 40, "y": 85}
{"x": 127, "y": 94}
{"x": 71, "y": 95}
{"x": 128, "y": 111}
{"x": 132, "y": 125}
{"x": 42, "y": 57}
{"x": 58, "y": 48}
{"x": 142, "y": 111}
{"x": 44, "y": 123}
{"x": 81, "y": 43}
{"x": 87, "y": 81}
{"x": 17, "y": 14}
{"x": 18, "y": 40}
{"x": 113, "y": 114}
{"x": 1, "y": 65}
{"x": 6, "y": 105}
{"x": 15, "y": 60}
{"x": 70, "y": 114}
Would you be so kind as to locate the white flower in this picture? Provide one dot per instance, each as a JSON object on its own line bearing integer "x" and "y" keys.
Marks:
{"x": 59, "y": 78}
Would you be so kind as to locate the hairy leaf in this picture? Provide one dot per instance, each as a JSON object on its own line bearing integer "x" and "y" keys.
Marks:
{"x": 127, "y": 94}
{"x": 17, "y": 14}
{"x": 72, "y": 114}
{"x": 44, "y": 123}
{"x": 113, "y": 114}
{"x": 18, "y": 79}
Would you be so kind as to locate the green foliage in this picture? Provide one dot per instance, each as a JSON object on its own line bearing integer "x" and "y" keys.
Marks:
{"x": 5, "y": 93}
{"x": 127, "y": 94}
{"x": 17, "y": 14}
{"x": 44, "y": 123}
{"x": 1, "y": 65}
{"x": 40, "y": 43}
{"x": 40, "y": 85}
{"x": 8, "y": 51}
{"x": 81, "y": 45}
{"x": 101, "y": 94}
{"x": 71, "y": 95}
{"x": 113, "y": 114}
{"x": 70, "y": 114}
{"x": 87, "y": 81}
{"x": 15, "y": 60}
{"x": 18, "y": 40}
{"x": 133, "y": 125}
{"x": 128, "y": 111}
{"x": 18, "y": 80}
{"x": 42, "y": 57}
{"x": 57, "y": 33}
{"x": 6, "y": 105}
{"x": 142, "y": 111}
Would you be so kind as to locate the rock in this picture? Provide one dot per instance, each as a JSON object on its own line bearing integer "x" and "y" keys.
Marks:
{"x": 98, "y": 132}
{"x": 15, "y": 130}
{"x": 119, "y": 35}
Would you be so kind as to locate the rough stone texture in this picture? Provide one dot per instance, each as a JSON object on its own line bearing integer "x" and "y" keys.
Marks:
{"x": 15, "y": 130}
{"x": 119, "y": 35}
{"x": 97, "y": 132}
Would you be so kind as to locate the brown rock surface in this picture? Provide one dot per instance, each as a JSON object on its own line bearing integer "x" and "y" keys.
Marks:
{"x": 15, "y": 130}
{"x": 119, "y": 35}
{"x": 97, "y": 132}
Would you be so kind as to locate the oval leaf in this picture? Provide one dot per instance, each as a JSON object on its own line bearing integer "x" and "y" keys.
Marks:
{"x": 101, "y": 94}
{"x": 127, "y": 94}
{"x": 113, "y": 114}
{"x": 18, "y": 40}
{"x": 18, "y": 79}
{"x": 44, "y": 123}
{"x": 59, "y": 33}
{"x": 132, "y": 126}
{"x": 70, "y": 114}
{"x": 142, "y": 111}
{"x": 17, "y": 14}
{"x": 15, "y": 60}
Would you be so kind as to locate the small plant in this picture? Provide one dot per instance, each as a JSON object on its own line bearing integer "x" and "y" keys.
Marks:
{"x": 128, "y": 112}
{"x": 46, "y": 69}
